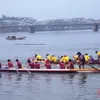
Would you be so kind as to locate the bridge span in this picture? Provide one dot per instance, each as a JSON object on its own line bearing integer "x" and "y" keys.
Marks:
{"x": 48, "y": 27}
{"x": 58, "y": 27}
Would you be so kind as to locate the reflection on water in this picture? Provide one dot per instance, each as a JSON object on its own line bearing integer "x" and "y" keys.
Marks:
{"x": 59, "y": 86}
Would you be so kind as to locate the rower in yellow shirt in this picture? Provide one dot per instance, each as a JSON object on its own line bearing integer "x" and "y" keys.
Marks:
{"x": 98, "y": 54}
{"x": 48, "y": 56}
{"x": 87, "y": 58}
{"x": 66, "y": 58}
{"x": 75, "y": 56}
{"x": 38, "y": 57}
{"x": 53, "y": 59}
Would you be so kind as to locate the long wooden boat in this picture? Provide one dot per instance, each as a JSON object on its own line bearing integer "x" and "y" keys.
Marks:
{"x": 76, "y": 70}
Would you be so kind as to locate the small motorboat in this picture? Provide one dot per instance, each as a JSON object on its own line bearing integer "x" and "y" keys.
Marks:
{"x": 15, "y": 38}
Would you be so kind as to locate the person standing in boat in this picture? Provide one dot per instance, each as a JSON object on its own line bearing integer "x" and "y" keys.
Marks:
{"x": 79, "y": 54}
{"x": 10, "y": 64}
{"x": 82, "y": 61}
{"x": 19, "y": 65}
{"x": 98, "y": 54}
{"x": 31, "y": 64}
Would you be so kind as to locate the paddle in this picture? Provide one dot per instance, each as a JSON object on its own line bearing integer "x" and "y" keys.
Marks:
{"x": 93, "y": 67}
{"x": 28, "y": 71}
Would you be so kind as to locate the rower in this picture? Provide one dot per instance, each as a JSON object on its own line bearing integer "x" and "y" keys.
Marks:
{"x": 82, "y": 62}
{"x": 66, "y": 58}
{"x": 37, "y": 65}
{"x": 48, "y": 65}
{"x": 19, "y": 65}
{"x": 53, "y": 59}
{"x": 38, "y": 57}
{"x": 31, "y": 64}
{"x": 87, "y": 58}
{"x": 62, "y": 65}
{"x": 91, "y": 60}
{"x": 71, "y": 65}
{"x": 75, "y": 56}
{"x": 48, "y": 57}
{"x": 10, "y": 64}
{"x": 98, "y": 54}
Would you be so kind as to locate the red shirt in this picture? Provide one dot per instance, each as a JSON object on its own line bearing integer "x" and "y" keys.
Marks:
{"x": 10, "y": 64}
{"x": 48, "y": 65}
{"x": 37, "y": 65}
{"x": 19, "y": 65}
{"x": 71, "y": 65}
{"x": 62, "y": 65}
{"x": 31, "y": 65}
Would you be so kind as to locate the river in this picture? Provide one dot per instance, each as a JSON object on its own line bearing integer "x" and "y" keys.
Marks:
{"x": 25, "y": 86}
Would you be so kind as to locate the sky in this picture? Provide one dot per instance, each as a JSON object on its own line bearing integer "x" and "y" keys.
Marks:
{"x": 51, "y": 9}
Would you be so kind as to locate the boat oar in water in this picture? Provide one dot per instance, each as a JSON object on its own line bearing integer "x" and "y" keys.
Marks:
{"x": 93, "y": 67}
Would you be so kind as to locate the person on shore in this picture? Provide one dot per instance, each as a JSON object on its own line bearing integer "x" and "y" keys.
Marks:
{"x": 98, "y": 54}
{"x": 19, "y": 65}
{"x": 48, "y": 65}
{"x": 10, "y": 64}
{"x": 31, "y": 64}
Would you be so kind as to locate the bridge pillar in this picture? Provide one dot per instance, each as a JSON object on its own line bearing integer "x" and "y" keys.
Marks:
{"x": 32, "y": 29}
{"x": 96, "y": 28}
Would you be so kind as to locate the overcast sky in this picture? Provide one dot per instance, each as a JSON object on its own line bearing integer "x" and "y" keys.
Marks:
{"x": 51, "y": 9}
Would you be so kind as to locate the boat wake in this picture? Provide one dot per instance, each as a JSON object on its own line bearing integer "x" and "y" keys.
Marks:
{"x": 29, "y": 44}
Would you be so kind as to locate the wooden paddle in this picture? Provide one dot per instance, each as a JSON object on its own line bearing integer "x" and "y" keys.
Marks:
{"x": 93, "y": 67}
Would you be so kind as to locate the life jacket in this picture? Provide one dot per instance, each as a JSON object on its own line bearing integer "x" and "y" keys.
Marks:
{"x": 62, "y": 65}
{"x": 48, "y": 65}
{"x": 87, "y": 58}
{"x": 10, "y": 64}
{"x": 31, "y": 65}
{"x": 19, "y": 65}
{"x": 98, "y": 53}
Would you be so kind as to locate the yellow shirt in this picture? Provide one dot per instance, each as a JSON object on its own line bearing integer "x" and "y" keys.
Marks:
{"x": 54, "y": 59}
{"x": 39, "y": 57}
{"x": 75, "y": 56}
{"x": 49, "y": 57}
{"x": 98, "y": 53}
{"x": 87, "y": 58}
{"x": 66, "y": 59}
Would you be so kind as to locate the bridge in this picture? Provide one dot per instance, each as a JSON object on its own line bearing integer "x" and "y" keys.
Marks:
{"x": 58, "y": 27}
{"x": 48, "y": 27}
